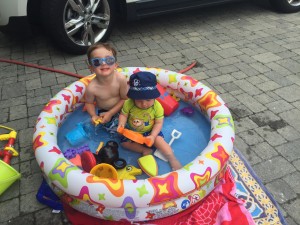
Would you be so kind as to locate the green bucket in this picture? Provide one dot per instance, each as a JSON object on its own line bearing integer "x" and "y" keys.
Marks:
{"x": 8, "y": 176}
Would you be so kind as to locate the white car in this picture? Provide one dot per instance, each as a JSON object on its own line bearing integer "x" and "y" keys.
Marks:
{"x": 76, "y": 24}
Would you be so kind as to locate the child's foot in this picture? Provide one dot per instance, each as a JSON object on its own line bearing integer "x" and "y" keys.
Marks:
{"x": 175, "y": 164}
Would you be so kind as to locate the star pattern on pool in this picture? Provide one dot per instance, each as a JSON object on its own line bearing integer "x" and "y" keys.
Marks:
{"x": 142, "y": 191}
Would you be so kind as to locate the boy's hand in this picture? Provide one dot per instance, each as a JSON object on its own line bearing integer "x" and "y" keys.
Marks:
{"x": 151, "y": 139}
{"x": 105, "y": 117}
{"x": 96, "y": 120}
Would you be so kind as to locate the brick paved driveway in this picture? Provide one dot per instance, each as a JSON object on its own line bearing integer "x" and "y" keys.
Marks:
{"x": 247, "y": 54}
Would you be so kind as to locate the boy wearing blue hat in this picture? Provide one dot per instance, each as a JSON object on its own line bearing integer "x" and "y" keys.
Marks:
{"x": 144, "y": 114}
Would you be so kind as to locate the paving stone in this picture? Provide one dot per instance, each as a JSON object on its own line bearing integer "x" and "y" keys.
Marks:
{"x": 279, "y": 106}
{"x": 264, "y": 150}
{"x": 257, "y": 79}
{"x": 290, "y": 64}
{"x": 270, "y": 135}
{"x": 4, "y": 116}
{"x": 30, "y": 183}
{"x": 25, "y": 219}
{"x": 35, "y": 110}
{"x": 33, "y": 84}
{"x": 227, "y": 62}
{"x": 292, "y": 118}
{"x": 296, "y": 163}
{"x": 278, "y": 78}
{"x": 290, "y": 150}
{"x": 26, "y": 153}
{"x": 25, "y": 137}
{"x": 29, "y": 204}
{"x": 273, "y": 169}
{"x": 239, "y": 110}
{"x": 251, "y": 103}
{"x": 18, "y": 124}
{"x": 263, "y": 98}
{"x": 6, "y": 209}
{"x": 14, "y": 90}
{"x": 294, "y": 208}
{"x": 268, "y": 118}
{"x": 220, "y": 80}
{"x": 39, "y": 100}
{"x": 17, "y": 112}
{"x": 227, "y": 69}
{"x": 294, "y": 79}
{"x": 294, "y": 181}
{"x": 239, "y": 75}
{"x": 268, "y": 86}
{"x": 247, "y": 87}
{"x": 289, "y": 133}
{"x": 260, "y": 67}
{"x": 281, "y": 191}
{"x": 152, "y": 61}
{"x": 266, "y": 57}
{"x": 244, "y": 124}
{"x": 251, "y": 137}
{"x": 289, "y": 93}
{"x": 278, "y": 68}
{"x": 46, "y": 217}
{"x": 42, "y": 91}
{"x": 290, "y": 221}
{"x": 250, "y": 156}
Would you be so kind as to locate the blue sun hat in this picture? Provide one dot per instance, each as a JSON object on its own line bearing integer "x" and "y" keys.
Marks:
{"x": 143, "y": 86}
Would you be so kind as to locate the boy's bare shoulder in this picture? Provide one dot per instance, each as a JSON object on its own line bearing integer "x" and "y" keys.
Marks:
{"x": 120, "y": 77}
{"x": 91, "y": 85}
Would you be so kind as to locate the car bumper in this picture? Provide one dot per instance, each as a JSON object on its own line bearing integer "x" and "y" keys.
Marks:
{"x": 12, "y": 8}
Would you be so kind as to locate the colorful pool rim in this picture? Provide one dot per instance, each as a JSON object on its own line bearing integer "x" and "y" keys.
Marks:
{"x": 143, "y": 199}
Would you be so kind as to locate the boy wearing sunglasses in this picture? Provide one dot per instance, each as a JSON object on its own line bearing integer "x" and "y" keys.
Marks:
{"x": 144, "y": 114}
{"x": 108, "y": 89}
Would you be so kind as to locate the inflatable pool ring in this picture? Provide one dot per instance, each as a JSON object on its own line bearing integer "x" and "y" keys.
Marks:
{"x": 143, "y": 199}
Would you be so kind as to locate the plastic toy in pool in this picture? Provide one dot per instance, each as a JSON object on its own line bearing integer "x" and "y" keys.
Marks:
{"x": 108, "y": 154}
{"x": 142, "y": 199}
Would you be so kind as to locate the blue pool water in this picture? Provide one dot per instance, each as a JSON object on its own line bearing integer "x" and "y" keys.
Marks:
{"x": 195, "y": 136}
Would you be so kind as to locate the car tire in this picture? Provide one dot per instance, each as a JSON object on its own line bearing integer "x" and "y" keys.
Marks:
{"x": 285, "y": 6}
{"x": 74, "y": 28}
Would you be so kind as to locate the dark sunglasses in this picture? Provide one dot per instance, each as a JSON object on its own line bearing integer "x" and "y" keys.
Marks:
{"x": 109, "y": 60}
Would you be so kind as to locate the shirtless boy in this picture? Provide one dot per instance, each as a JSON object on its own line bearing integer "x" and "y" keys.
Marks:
{"x": 108, "y": 88}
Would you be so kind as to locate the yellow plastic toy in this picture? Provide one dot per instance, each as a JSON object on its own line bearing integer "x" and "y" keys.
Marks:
{"x": 104, "y": 170}
{"x": 8, "y": 175}
{"x": 8, "y": 150}
{"x": 97, "y": 121}
{"x": 148, "y": 165}
{"x": 129, "y": 172}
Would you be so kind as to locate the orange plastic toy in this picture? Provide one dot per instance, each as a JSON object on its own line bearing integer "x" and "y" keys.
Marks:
{"x": 135, "y": 136}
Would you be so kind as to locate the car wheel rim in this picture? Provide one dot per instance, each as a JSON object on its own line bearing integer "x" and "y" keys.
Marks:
{"x": 86, "y": 21}
{"x": 294, "y": 2}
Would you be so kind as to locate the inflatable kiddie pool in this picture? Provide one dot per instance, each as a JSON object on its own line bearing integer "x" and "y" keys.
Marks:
{"x": 143, "y": 199}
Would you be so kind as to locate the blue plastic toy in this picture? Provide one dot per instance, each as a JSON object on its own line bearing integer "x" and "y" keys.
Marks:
{"x": 77, "y": 136}
{"x": 46, "y": 196}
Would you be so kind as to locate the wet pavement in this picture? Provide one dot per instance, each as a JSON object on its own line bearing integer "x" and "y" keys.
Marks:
{"x": 248, "y": 54}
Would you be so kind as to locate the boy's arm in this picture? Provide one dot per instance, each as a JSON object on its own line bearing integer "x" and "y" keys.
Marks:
{"x": 117, "y": 108}
{"x": 122, "y": 120}
{"x": 90, "y": 108}
{"x": 123, "y": 86}
{"x": 89, "y": 102}
{"x": 157, "y": 127}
